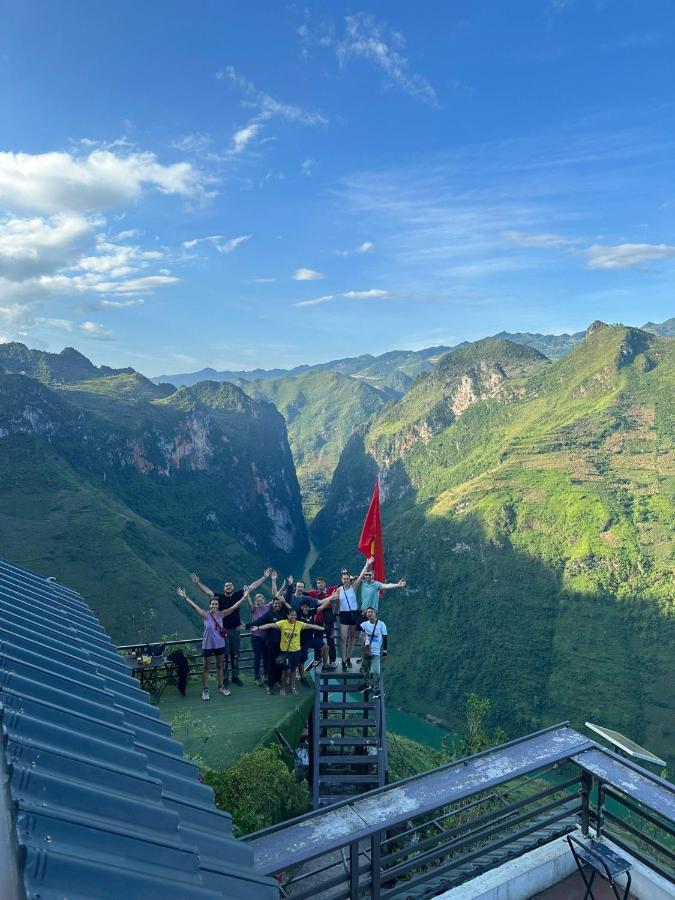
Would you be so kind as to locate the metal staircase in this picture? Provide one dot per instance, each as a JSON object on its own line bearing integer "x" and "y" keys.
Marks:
{"x": 349, "y": 741}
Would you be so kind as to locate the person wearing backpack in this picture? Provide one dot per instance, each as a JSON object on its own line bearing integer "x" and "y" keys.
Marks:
{"x": 214, "y": 640}
{"x": 374, "y": 648}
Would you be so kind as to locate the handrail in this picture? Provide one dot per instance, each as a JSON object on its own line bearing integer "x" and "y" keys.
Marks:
{"x": 399, "y": 860}
{"x": 368, "y": 795}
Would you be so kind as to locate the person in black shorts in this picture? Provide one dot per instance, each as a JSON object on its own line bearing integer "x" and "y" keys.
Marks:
{"x": 312, "y": 640}
{"x": 232, "y": 623}
{"x": 327, "y": 618}
{"x": 350, "y": 617}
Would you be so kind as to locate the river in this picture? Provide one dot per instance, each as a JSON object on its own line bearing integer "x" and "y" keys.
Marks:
{"x": 414, "y": 727}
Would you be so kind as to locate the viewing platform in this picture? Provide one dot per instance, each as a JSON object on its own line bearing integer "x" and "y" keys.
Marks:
{"x": 219, "y": 730}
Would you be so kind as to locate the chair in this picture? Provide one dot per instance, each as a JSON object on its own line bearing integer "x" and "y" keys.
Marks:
{"x": 603, "y": 861}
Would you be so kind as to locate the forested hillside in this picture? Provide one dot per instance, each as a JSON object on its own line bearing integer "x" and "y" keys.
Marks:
{"x": 321, "y": 410}
{"x": 121, "y": 490}
{"x": 531, "y": 506}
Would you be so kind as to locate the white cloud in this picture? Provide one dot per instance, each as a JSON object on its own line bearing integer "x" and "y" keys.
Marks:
{"x": 308, "y": 166}
{"x": 523, "y": 239}
{"x": 372, "y": 294}
{"x": 216, "y": 240}
{"x": 233, "y": 243}
{"x": 58, "y": 182}
{"x": 366, "y": 38}
{"x": 96, "y": 330}
{"x": 40, "y": 246}
{"x": 627, "y": 256}
{"x": 268, "y": 107}
{"x": 303, "y": 274}
{"x": 119, "y": 304}
{"x": 92, "y": 283}
{"x": 264, "y": 280}
{"x": 316, "y": 301}
{"x": 242, "y": 137}
{"x": 365, "y": 247}
{"x": 55, "y": 323}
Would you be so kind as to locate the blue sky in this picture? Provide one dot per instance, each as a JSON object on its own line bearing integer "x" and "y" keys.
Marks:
{"x": 266, "y": 184}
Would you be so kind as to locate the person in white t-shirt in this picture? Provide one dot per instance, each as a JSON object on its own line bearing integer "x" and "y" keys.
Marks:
{"x": 349, "y": 612}
{"x": 374, "y": 643}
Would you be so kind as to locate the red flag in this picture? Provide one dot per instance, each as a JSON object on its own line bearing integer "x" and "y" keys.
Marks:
{"x": 370, "y": 542}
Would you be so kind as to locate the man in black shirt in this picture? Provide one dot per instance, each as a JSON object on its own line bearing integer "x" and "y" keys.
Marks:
{"x": 232, "y": 622}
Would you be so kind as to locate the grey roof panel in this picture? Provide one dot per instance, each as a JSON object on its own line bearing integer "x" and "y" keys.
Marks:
{"x": 104, "y": 803}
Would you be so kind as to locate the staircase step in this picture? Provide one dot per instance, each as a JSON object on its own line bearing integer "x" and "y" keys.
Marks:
{"x": 324, "y": 676}
{"x": 349, "y": 779}
{"x": 340, "y": 688}
{"x": 364, "y": 759}
{"x": 348, "y": 741}
{"x": 347, "y": 723}
{"x": 357, "y": 705}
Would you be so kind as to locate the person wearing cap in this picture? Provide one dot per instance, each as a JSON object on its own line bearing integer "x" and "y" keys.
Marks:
{"x": 349, "y": 612}
{"x": 370, "y": 591}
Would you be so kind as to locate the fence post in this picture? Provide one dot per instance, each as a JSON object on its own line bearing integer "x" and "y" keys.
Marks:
{"x": 354, "y": 870}
{"x": 600, "y": 819}
{"x": 375, "y": 865}
{"x": 586, "y": 788}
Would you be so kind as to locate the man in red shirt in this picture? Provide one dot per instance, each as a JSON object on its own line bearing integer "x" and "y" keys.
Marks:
{"x": 326, "y": 618}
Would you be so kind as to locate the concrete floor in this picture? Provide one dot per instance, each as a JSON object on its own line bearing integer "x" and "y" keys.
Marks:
{"x": 573, "y": 888}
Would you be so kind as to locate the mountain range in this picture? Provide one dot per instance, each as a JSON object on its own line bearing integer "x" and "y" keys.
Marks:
{"x": 394, "y": 371}
{"x": 531, "y": 505}
{"x": 121, "y": 487}
{"x": 529, "y": 500}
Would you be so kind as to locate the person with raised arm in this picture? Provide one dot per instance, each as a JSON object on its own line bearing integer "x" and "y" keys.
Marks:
{"x": 326, "y": 618}
{"x": 290, "y": 630}
{"x": 271, "y": 639}
{"x": 294, "y": 594}
{"x": 350, "y": 617}
{"x": 370, "y": 591}
{"x": 231, "y": 623}
{"x": 312, "y": 641}
{"x": 214, "y": 640}
{"x": 259, "y": 608}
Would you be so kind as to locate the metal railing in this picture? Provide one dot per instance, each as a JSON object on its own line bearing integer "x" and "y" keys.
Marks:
{"x": 453, "y": 842}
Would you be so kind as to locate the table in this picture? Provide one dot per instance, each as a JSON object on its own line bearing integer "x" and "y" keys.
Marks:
{"x": 147, "y": 673}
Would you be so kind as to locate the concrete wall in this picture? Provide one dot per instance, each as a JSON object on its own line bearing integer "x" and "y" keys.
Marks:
{"x": 521, "y": 878}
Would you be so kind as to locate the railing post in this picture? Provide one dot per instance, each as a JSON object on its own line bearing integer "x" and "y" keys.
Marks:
{"x": 316, "y": 743}
{"x": 600, "y": 819}
{"x": 586, "y": 788}
{"x": 375, "y": 865}
{"x": 354, "y": 870}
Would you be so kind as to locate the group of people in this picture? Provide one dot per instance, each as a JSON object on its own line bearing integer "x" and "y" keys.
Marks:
{"x": 295, "y": 622}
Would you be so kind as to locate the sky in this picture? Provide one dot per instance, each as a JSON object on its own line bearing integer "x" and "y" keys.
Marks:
{"x": 266, "y": 184}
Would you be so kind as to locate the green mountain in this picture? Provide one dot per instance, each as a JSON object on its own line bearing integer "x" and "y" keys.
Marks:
{"x": 535, "y": 525}
{"x": 665, "y": 329}
{"x": 395, "y": 371}
{"x": 121, "y": 490}
{"x": 391, "y": 372}
{"x": 51, "y": 368}
{"x": 551, "y": 345}
{"x": 321, "y": 410}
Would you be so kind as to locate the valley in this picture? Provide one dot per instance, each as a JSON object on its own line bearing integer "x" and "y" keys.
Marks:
{"x": 527, "y": 498}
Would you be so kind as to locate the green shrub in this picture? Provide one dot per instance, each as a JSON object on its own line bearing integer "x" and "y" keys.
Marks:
{"x": 258, "y": 790}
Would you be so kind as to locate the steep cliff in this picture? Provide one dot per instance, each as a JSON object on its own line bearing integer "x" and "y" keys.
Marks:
{"x": 536, "y": 528}
{"x": 200, "y": 479}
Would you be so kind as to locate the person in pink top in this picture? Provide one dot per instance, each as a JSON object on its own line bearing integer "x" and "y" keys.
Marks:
{"x": 214, "y": 640}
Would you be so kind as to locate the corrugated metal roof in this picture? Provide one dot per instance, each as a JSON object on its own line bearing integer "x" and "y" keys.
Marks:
{"x": 103, "y": 802}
